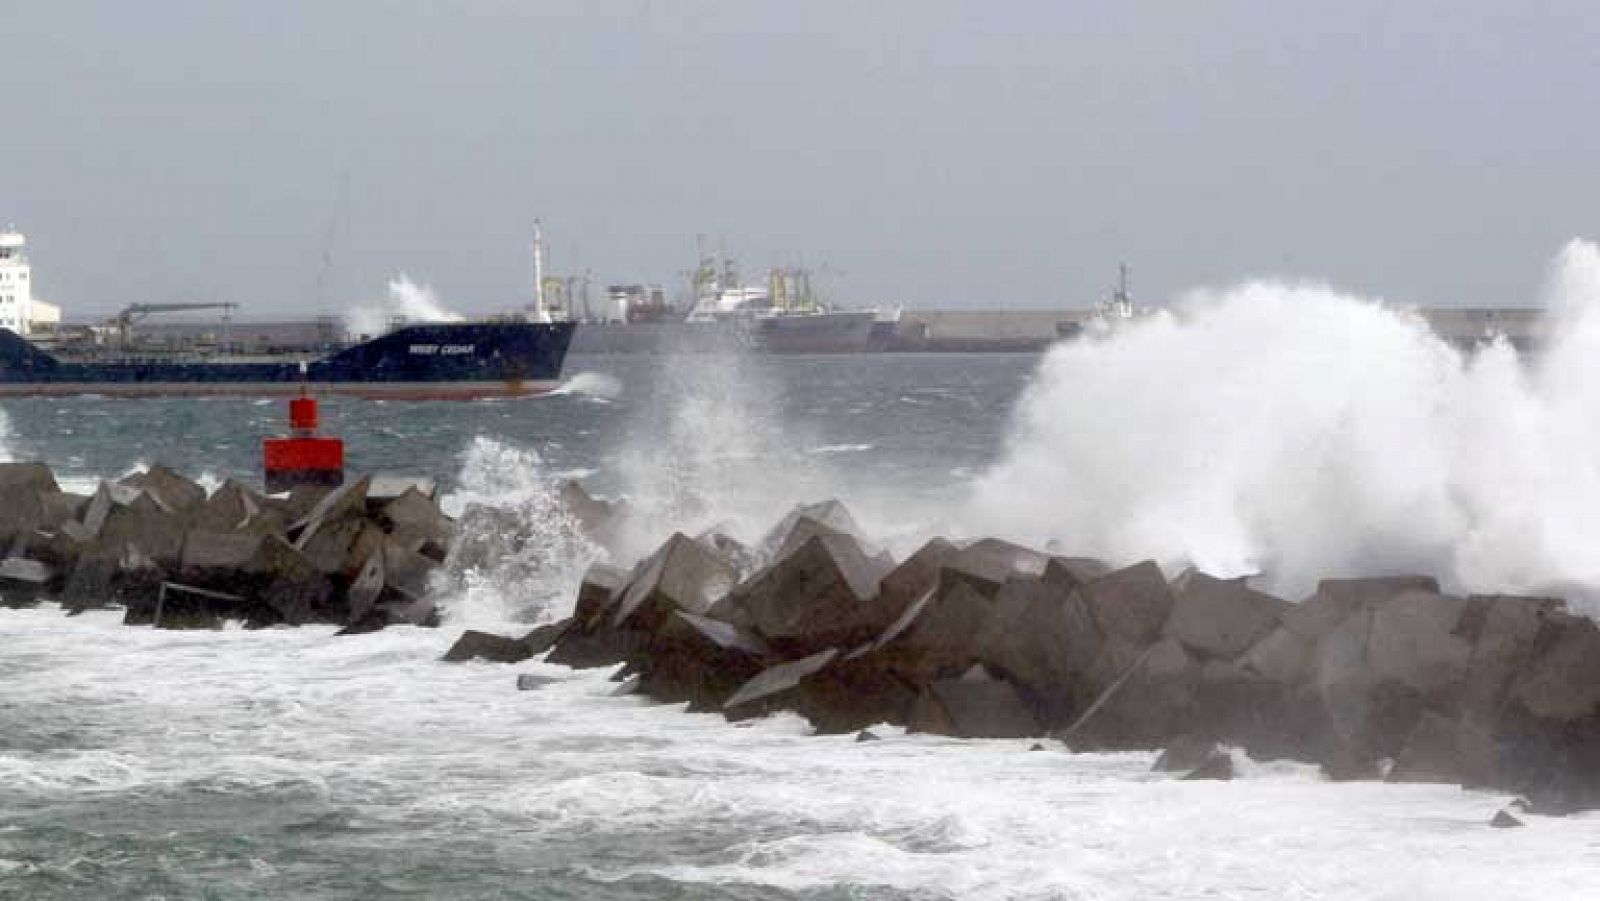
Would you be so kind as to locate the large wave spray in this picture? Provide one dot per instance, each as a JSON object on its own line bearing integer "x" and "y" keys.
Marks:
{"x": 714, "y": 452}
{"x": 521, "y": 552}
{"x": 1290, "y": 430}
{"x": 406, "y": 300}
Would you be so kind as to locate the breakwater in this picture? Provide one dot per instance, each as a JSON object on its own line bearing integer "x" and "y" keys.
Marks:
{"x": 978, "y": 331}
{"x": 1381, "y": 677}
{"x": 1372, "y": 678}
{"x": 156, "y": 543}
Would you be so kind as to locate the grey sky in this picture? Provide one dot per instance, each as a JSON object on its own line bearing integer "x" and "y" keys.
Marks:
{"x": 930, "y": 153}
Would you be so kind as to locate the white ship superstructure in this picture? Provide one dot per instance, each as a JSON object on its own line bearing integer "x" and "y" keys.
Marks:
{"x": 16, "y": 288}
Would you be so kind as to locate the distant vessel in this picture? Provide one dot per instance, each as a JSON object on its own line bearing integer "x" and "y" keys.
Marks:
{"x": 1113, "y": 312}
{"x": 782, "y": 316}
{"x": 448, "y": 360}
{"x": 434, "y": 361}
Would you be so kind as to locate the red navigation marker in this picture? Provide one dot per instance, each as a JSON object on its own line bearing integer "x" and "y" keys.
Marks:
{"x": 303, "y": 458}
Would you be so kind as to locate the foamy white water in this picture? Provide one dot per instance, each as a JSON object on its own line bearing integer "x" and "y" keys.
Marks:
{"x": 291, "y": 763}
{"x": 1289, "y": 429}
{"x": 593, "y": 385}
{"x": 405, "y": 299}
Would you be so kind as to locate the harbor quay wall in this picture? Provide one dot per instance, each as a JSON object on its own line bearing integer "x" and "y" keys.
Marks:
{"x": 977, "y": 330}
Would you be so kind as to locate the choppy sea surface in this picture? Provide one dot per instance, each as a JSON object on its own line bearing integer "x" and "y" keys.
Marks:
{"x": 291, "y": 763}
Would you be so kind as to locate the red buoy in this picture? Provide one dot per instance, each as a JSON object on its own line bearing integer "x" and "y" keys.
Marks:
{"x": 303, "y": 458}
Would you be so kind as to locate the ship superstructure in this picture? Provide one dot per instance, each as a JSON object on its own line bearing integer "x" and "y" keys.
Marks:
{"x": 785, "y": 313}
{"x": 20, "y": 310}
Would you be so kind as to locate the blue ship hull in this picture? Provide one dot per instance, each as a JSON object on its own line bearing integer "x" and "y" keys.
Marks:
{"x": 419, "y": 362}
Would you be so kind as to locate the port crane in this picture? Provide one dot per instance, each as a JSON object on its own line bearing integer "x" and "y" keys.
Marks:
{"x": 138, "y": 312}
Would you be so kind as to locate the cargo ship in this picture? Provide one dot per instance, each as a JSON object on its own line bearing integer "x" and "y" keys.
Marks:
{"x": 416, "y": 360}
{"x": 783, "y": 315}
{"x": 428, "y": 361}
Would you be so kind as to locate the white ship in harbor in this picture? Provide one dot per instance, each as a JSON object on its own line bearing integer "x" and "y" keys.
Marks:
{"x": 784, "y": 315}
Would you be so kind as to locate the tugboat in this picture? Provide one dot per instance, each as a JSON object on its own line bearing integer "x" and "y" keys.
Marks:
{"x": 1114, "y": 312}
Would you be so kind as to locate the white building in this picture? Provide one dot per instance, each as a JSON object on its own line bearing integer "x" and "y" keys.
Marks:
{"x": 16, "y": 291}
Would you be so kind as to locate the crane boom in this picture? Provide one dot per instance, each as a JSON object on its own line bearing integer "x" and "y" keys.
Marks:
{"x": 137, "y": 312}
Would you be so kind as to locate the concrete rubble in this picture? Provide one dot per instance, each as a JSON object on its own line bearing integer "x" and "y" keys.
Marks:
{"x": 1380, "y": 677}
{"x": 174, "y": 555}
{"x": 1371, "y": 678}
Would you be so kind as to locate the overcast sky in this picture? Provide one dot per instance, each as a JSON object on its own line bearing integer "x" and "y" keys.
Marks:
{"x": 933, "y": 154}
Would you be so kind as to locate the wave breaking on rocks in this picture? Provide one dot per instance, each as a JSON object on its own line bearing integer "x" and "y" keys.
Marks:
{"x": 1381, "y": 677}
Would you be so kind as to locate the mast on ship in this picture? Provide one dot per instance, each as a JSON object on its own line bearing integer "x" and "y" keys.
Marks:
{"x": 1121, "y": 303}
{"x": 540, "y": 313}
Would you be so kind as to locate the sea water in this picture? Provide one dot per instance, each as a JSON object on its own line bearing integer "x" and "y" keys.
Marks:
{"x": 1276, "y": 429}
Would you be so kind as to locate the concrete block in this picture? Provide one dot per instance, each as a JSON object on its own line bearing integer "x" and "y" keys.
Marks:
{"x": 229, "y": 509}
{"x": 364, "y": 592}
{"x": 1070, "y": 572}
{"x": 417, "y": 522}
{"x": 1337, "y": 599}
{"x": 28, "y": 475}
{"x": 1279, "y": 656}
{"x": 475, "y": 645}
{"x": 1440, "y": 749}
{"x": 914, "y": 577}
{"x": 938, "y": 634}
{"x": 820, "y": 595}
{"x": 388, "y": 486}
{"x": 974, "y": 705}
{"x": 346, "y": 501}
{"x": 544, "y": 637}
{"x": 777, "y": 679}
{"x": 1132, "y": 603}
{"x": 146, "y": 525}
{"x": 294, "y": 591}
{"x": 1221, "y": 617}
{"x": 681, "y": 575}
{"x": 1561, "y": 681}
{"x": 602, "y": 585}
{"x": 1413, "y": 641}
{"x": 1030, "y": 638}
{"x": 1503, "y": 642}
{"x": 175, "y": 493}
{"x": 406, "y": 571}
{"x": 207, "y": 551}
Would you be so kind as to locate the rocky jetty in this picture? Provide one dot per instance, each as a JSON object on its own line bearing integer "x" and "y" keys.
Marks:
{"x": 1370, "y": 678}
{"x": 173, "y": 555}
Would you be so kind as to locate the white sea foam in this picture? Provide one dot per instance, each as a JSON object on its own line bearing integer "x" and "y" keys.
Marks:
{"x": 522, "y": 563}
{"x": 406, "y": 300}
{"x": 273, "y": 732}
{"x": 714, "y": 452}
{"x": 1290, "y": 429}
{"x": 841, "y": 449}
{"x": 594, "y": 385}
